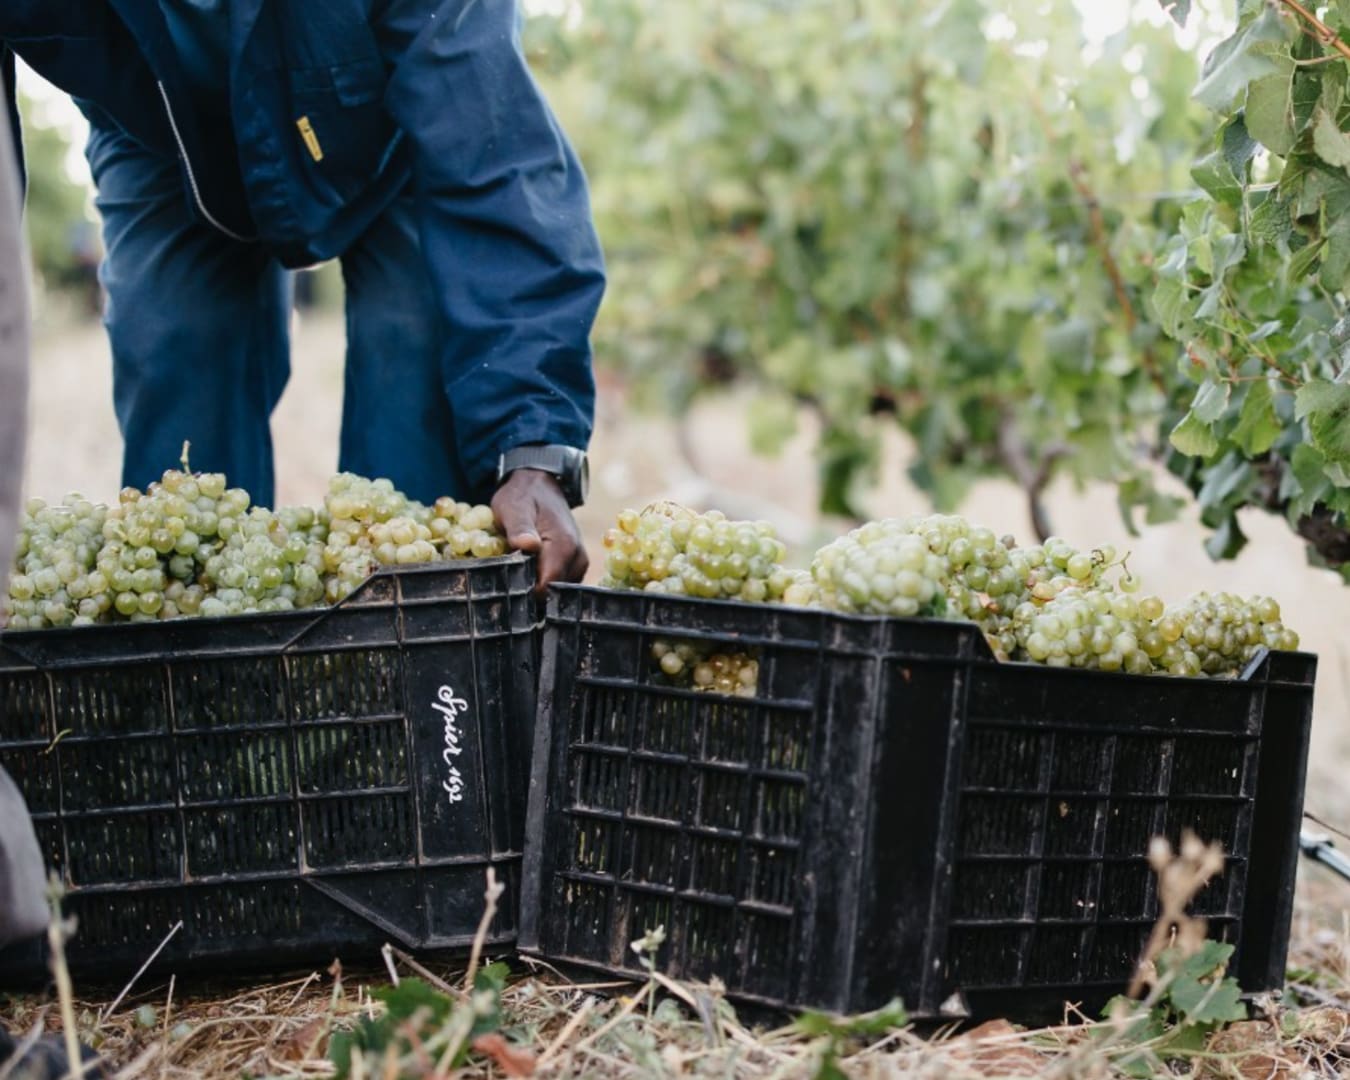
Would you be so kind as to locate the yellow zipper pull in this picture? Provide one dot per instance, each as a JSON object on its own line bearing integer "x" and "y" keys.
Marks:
{"x": 311, "y": 140}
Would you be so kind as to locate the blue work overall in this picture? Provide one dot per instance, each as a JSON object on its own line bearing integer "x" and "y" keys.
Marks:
{"x": 405, "y": 138}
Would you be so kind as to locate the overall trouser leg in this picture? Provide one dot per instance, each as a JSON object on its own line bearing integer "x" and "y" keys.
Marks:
{"x": 396, "y": 419}
{"x": 198, "y": 325}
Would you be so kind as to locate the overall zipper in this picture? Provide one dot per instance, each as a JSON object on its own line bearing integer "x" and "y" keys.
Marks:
{"x": 192, "y": 179}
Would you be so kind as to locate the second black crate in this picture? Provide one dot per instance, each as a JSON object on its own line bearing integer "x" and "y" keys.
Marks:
{"x": 890, "y": 812}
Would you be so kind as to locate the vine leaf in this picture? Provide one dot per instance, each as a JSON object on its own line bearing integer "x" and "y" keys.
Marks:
{"x": 1271, "y": 222}
{"x": 1227, "y": 540}
{"x": 1326, "y": 407}
{"x": 1180, "y": 10}
{"x": 1270, "y": 109}
{"x": 1211, "y": 400}
{"x": 1238, "y": 60}
{"x": 1309, "y": 470}
{"x": 1330, "y": 142}
{"x": 1336, "y": 259}
{"x": 1194, "y": 438}
{"x": 1258, "y": 426}
{"x": 1214, "y": 173}
{"x": 1237, "y": 145}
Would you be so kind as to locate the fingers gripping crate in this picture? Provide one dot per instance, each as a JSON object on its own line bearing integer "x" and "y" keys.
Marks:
{"x": 288, "y": 786}
{"x": 891, "y": 813}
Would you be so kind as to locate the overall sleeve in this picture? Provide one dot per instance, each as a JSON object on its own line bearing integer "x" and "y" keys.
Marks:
{"x": 505, "y": 225}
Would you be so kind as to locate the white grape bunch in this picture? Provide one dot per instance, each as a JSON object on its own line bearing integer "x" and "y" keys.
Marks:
{"x": 1219, "y": 634}
{"x": 1049, "y": 603}
{"x": 190, "y": 545}
{"x": 1086, "y": 627}
{"x": 670, "y": 549}
{"x": 56, "y": 580}
{"x": 696, "y": 666}
{"x": 371, "y": 524}
{"x": 881, "y": 568}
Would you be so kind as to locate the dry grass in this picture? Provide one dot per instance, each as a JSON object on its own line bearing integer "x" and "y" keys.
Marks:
{"x": 557, "y": 1028}
{"x": 560, "y": 1029}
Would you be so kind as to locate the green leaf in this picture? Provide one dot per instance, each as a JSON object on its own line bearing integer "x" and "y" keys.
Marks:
{"x": 1213, "y": 173}
{"x": 772, "y": 419}
{"x": 1194, "y": 437}
{"x": 1336, "y": 255}
{"x": 1211, "y": 400}
{"x": 1329, "y": 141}
{"x": 1308, "y": 468}
{"x": 1238, "y": 60}
{"x": 1184, "y": 1041}
{"x": 1297, "y": 268}
{"x": 410, "y": 995}
{"x": 1258, "y": 426}
{"x": 1140, "y": 1026}
{"x": 1227, "y": 540}
{"x": 879, "y": 1022}
{"x": 1180, "y": 10}
{"x": 829, "y": 1068}
{"x": 1169, "y": 301}
{"x": 1271, "y": 223}
{"x": 1162, "y": 509}
{"x": 492, "y": 977}
{"x": 1196, "y": 986}
{"x": 1214, "y": 1001}
{"x": 1238, "y": 146}
{"x": 1222, "y": 480}
{"x": 1326, "y": 407}
{"x": 1270, "y": 110}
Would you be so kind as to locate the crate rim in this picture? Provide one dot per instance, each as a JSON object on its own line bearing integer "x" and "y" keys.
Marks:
{"x": 53, "y": 633}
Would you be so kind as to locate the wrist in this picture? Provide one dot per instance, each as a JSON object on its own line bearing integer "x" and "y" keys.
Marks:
{"x": 567, "y": 465}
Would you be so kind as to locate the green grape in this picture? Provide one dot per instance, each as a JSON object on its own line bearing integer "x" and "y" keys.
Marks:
{"x": 881, "y": 568}
{"x": 670, "y": 549}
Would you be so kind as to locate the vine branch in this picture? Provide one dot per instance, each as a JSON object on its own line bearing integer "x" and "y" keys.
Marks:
{"x": 1100, "y": 240}
{"x": 1033, "y": 477}
{"x": 1327, "y": 537}
{"x": 1097, "y": 226}
{"x": 1321, "y": 30}
{"x": 1323, "y": 530}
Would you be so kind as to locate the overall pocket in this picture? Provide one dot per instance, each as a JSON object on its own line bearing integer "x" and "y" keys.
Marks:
{"x": 341, "y": 124}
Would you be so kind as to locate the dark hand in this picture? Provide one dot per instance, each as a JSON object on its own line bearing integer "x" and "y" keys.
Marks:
{"x": 533, "y": 512}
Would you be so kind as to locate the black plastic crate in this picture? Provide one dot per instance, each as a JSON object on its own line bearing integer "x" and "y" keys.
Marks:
{"x": 892, "y": 813}
{"x": 289, "y": 786}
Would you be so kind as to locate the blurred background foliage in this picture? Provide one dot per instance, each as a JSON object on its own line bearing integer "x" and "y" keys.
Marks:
{"x": 62, "y": 228}
{"x": 975, "y": 220}
{"x": 940, "y": 215}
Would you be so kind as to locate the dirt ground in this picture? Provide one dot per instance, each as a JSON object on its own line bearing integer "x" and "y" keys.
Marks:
{"x": 75, "y": 446}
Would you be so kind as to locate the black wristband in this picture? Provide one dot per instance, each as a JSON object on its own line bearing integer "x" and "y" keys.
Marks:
{"x": 567, "y": 463}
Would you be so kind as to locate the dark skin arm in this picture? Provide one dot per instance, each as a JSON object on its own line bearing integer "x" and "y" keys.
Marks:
{"x": 532, "y": 510}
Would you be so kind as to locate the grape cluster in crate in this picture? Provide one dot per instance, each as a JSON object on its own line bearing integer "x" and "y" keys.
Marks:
{"x": 1047, "y": 603}
{"x": 192, "y": 546}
